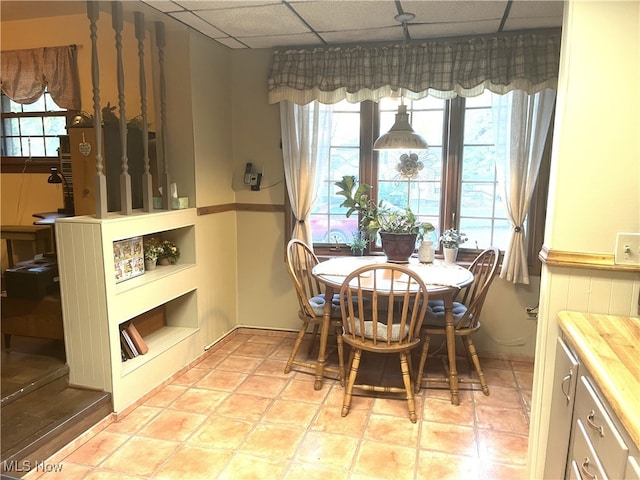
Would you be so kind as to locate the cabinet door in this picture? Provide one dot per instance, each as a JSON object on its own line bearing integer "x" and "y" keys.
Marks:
{"x": 565, "y": 377}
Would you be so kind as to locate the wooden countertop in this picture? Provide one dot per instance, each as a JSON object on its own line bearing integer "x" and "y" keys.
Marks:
{"x": 609, "y": 346}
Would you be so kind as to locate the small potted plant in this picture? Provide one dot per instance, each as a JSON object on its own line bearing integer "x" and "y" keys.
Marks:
{"x": 451, "y": 240}
{"x": 170, "y": 253}
{"x": 358, "y": 243}
{"x": 152, "y": 250}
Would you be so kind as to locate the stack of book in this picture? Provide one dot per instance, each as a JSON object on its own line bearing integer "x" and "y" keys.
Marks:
{"x": 132, "y": 342}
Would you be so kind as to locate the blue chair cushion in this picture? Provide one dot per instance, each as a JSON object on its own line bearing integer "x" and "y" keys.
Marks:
{"x": 317, "y": 304}
{"x": 435, "y": 312}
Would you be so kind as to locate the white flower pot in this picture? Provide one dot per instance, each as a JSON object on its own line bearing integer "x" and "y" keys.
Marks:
{"x": 450, "y": 254}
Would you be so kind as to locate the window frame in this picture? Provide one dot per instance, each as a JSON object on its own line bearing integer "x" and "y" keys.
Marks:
{"x": 34, "y": 164}
{"x": 452, "y": 156}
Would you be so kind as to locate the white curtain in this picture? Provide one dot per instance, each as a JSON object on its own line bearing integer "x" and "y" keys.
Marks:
{"x": 306, "y": 139}
{"x": 521, "y": 122}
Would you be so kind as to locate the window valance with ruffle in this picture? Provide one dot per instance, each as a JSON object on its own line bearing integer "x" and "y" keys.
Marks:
{"x": 26, "y": 73}
{"x": 442, "y": 68}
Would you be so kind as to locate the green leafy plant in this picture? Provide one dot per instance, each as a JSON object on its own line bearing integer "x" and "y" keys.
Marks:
{"x": 358, "y": 242}
{"x": 152, "y": 249}
{"x": 451, "y": 238}
{"x": 382, "y": 217}
{"x": 170, "y": 251}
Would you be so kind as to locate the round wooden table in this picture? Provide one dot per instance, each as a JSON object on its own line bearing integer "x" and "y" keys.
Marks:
{"x": 443, "y": 280}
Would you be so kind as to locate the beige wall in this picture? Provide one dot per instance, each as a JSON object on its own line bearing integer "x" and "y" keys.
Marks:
{"x": 596, "y": 183}
{"x": 217, "y": 99}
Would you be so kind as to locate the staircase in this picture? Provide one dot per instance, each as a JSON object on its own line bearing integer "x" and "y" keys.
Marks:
{"x": 40, "y": 412}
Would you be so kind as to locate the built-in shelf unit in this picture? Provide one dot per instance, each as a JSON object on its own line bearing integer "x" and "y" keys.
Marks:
{"x": 95, "y": 307}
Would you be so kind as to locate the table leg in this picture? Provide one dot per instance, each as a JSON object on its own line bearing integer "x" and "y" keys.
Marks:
{"x": 324, "y": 335}
{"x": 451, "y": 348}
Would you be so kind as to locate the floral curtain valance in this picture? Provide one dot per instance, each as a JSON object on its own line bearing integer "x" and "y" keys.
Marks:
{"x": 527, "y": 61}
{"x": 26, "y": 73}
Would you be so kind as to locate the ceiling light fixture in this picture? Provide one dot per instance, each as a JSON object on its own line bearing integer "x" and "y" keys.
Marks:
{"x": 401, "y": 136}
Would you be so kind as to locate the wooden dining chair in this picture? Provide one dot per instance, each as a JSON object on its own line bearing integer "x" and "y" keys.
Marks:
{"x": 383, "y": 307}
{"x": 466, "y": 315}
{"x": 311, "y": 301}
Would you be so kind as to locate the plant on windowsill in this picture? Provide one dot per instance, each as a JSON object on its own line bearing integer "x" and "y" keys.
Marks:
{"x": 398, "y": 229}
{"x": 358, "y": 243}
{"x": 451, "y": 240}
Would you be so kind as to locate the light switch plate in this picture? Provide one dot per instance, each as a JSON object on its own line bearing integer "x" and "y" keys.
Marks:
{"x": 627, "y": 249}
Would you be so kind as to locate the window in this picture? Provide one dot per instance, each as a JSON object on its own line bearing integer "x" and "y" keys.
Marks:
{"x": 458, "y": 176}
{"x": 30, "y": 132}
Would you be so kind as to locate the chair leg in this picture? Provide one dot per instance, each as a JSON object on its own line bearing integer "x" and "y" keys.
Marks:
{"x": 340, "y": 343}
{"x": 314, "y": 334}
{"x": 353, "y": 372}
{"x": 423, "y": 361}
{"x": 404, "y": 366}
{"x": 296, "y": 346}
{"x": 470, "y": 347}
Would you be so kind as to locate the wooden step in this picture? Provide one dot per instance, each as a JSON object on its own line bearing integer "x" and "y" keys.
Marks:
{"x": 37, "y": 425}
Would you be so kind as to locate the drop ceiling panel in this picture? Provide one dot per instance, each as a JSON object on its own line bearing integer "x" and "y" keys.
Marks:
{"x": 388, "y": 34}
{"x": 454, "y": 12}
{"x": 198, "y": 24}
{"x": 347, "y": 15}
{"x": 453, "y": 29}
{"x": 288, "y": 41}
{"x": 255, "y": 21}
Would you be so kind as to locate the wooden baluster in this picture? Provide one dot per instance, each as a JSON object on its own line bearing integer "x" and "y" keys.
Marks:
{"x": 100, "y": 183}
{"x": 166, "y": 181}
{"x": 125, "y": 178}
{"x": 147, "y": 188}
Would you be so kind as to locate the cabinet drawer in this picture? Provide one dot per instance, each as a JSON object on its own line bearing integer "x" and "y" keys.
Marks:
{"x": 586, "y": 463}
{"x": 598, "y": 426}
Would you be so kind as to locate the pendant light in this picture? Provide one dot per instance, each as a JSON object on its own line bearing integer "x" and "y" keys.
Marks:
{"x": 401, "y": 136}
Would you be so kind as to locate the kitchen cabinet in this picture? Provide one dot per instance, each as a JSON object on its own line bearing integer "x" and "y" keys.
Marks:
{"x": 605, "y": 431}
{"x": 562, "y": 402}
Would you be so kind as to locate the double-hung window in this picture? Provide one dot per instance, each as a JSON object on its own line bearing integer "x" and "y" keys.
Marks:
{"x": 31, "y": 132}
{"x": 455, "y": 185}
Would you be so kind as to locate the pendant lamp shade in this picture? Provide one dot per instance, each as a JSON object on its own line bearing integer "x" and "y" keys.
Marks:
{"x": 401, "y": 136}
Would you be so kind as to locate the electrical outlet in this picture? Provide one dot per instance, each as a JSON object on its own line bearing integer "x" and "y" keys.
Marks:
{"x": 627, "y": 249}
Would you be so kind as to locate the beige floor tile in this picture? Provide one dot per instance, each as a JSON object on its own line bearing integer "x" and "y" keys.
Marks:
{"x": 247, "y": 407}
{"x": 449, "y": 438}
{"x": 391, "y": 429}
{"x": 193, "y": 463}
{"x": 291, "y": 412}
{"x": 327, "y": 449}
{"x": 199, "y": 400}
{"x": 273, "y": 441}
{"x": 221, "y": 432}
{"x": 172, "y": 425}
{"x": 446, "y": 466}
{"x": 381, "y": 460}
{"x": 165, "y": 396}
{"x": 510, "y": 420}
{"x": 330, "y": 420}
{"x": 262, "y": 386}
{"x": 135, "y": 420}
{"x": 97, "y": 449}
{"x": 140, "y": 456}
{"x": 502, "y": 447}
{"x": 248, "y": 467}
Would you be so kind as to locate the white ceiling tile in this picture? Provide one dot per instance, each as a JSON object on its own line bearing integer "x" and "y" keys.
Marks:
{"x": 255, "y": 21}
{"x": 536, "y": 9}
{"x": 274, "y": 41}
{"x": 164, "y": 5}
{"x": 197, "y": 5}
{"x": 527, "y": 23}
{"x": 230, "y": 42}
{"x": 458, "y": 11}
{"x": 418, "y": 32}
{"x": 198, "y": 24}
{"x": 388, "y": 34}
{"x": 347, "y": 15}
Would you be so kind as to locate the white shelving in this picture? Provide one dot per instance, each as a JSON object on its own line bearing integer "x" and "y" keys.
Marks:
{"x": 94, "y": 305}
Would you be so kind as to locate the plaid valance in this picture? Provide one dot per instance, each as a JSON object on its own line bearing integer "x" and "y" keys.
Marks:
{"x": 441, "y": 68}
{"x": 26, "y": 73}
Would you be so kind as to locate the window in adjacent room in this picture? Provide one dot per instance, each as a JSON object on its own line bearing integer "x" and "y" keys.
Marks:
{"x": 30, "y": 132}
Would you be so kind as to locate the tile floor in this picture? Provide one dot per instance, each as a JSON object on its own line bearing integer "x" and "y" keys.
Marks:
{"x": 236, "y": 415}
